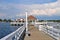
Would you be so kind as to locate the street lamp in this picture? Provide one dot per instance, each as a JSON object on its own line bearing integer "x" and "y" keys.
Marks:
{"x": 26, "y": 25}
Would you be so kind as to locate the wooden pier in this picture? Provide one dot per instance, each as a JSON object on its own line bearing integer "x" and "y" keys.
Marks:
{"x": 37, "y": 35}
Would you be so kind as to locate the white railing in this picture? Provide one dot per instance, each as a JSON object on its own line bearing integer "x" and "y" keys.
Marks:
{"x": 40, "y": 22}
{"x": 53, "y": 32}
{"x": 15, "y": 35}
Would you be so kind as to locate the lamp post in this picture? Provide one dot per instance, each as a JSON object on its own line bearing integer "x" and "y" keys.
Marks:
{"x": 26, "y": 25}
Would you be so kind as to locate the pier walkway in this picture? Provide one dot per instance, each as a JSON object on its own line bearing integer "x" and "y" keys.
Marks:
{"x": 37, "y": 35}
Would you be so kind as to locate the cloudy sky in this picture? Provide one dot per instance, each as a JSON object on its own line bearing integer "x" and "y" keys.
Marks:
{"x": 41, "y": 9}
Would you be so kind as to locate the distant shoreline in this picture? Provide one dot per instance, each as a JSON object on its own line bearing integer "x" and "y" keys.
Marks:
{"x": 37, "y": 21}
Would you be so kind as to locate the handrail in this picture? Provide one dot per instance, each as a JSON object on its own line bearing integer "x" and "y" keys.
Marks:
{"x": 51, "y": 31}
{"x": 14, "y": 35}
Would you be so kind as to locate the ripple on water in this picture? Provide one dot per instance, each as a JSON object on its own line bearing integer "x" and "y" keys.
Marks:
{"x": 6, "y": 29}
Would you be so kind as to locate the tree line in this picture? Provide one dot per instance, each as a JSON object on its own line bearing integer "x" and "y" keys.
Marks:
{"x": 6, "y": 20}
{"x": 49, "y": 20}
{"x": 53, "y": 20}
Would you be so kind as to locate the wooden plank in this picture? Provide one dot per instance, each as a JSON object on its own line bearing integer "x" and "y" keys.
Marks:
{"x": 37, "y": 35}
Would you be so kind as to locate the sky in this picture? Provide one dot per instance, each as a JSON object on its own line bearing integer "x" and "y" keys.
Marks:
{"x": 41, "y": 9}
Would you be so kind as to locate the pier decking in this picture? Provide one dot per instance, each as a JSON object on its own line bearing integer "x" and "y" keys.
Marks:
{"x": 37, "y": 35}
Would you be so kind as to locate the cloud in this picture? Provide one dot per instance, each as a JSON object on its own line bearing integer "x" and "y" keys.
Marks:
{"x": 45, "y": 9}
{"x": 20, "y": 15}
{"x": 2, "y": 15}
{"x": 48, "y": 9}
{"x": 4, "y": 6}
{"x": 48, "y": 12}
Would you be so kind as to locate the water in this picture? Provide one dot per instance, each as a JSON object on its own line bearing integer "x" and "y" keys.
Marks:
{"x": 6, "y": 28}
{"x": 54, "y": 24}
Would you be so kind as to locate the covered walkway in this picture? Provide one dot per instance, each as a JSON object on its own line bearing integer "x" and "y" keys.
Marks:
{"x": 37, "y": 35}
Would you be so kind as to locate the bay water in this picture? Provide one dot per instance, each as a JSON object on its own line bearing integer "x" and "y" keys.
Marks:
{"x": 6, "y": 28}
